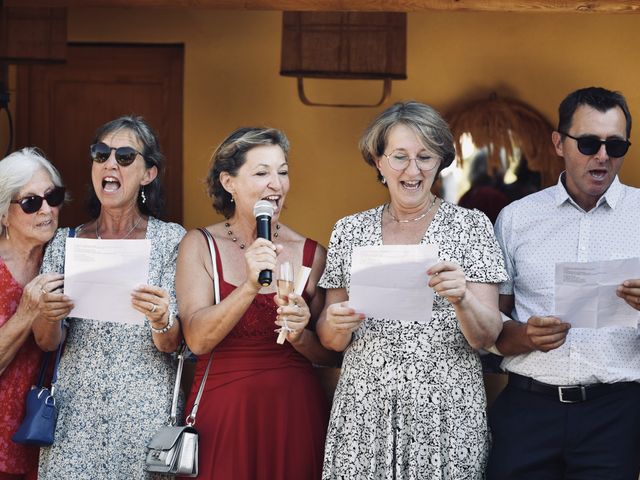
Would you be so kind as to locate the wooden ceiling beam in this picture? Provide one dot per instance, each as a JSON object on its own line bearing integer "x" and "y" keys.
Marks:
{"x": 528, "y": 6}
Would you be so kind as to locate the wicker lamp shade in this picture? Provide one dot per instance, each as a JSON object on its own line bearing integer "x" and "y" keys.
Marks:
{"x": 344, "y": 45}
{"x": 504, "y": 123}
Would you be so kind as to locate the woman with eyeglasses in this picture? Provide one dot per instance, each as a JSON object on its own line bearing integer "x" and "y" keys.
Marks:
{"x": 410, "y": 402}
{"x": 115, "y": 379}
{"x": 31, "y": 195}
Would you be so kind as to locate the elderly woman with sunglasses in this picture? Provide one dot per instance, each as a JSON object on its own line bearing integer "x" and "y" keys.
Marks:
{"x": 115, "y": 379}
{"x": 31, "y": 194}
{"x": 410, "y": 401}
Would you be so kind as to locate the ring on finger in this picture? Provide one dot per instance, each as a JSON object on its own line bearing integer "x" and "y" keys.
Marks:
{"x": 153, "y": 307}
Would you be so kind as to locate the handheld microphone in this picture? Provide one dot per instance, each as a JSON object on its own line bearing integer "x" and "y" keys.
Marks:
{"x": 263, "y": 211}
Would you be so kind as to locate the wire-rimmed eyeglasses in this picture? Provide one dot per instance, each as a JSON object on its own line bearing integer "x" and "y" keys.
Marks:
{"x": 399, "y": 160}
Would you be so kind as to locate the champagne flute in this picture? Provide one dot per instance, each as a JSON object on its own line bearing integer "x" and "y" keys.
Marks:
{"x": 285, "y": 287}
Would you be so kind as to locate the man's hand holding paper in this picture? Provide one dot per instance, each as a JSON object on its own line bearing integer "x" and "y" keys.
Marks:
{"x": 629, "y": 291}
{"x": 588, "y": 294}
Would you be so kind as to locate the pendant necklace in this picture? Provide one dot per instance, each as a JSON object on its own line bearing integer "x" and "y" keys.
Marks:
{"x": 122, "y": 238}
{"x": 410, "y": 220}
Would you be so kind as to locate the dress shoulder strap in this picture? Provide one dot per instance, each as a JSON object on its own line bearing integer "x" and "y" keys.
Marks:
{"x": 215, "y": 261}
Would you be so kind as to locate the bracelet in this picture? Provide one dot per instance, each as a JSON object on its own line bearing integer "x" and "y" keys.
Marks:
{"x": 164, "y": 329}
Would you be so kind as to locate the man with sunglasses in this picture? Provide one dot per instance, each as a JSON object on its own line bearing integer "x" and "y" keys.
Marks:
{"x": 571, "y": 409}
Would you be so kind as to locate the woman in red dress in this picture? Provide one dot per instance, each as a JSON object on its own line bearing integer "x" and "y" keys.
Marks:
{"x": 263, "y": 414}
{"x": 31, "y": 194}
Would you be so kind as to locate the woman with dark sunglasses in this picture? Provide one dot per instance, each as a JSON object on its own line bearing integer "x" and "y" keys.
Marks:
{"x": 115, "y": 379}
{"x": 31, "y": 194}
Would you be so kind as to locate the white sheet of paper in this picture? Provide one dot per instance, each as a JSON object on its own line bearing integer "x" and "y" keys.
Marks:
{"x": 585, "y": 293}
{"x": 390, "y": 281}
{"x": 301, "y": 279}
{"x": 99, "y": 276}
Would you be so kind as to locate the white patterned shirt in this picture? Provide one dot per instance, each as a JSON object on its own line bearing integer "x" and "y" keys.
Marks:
{"x": 548, "y": 227}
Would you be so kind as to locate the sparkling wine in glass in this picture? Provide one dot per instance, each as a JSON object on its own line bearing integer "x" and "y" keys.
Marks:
{"x": 285, "y": 287}
{"x": 285, "y": 280}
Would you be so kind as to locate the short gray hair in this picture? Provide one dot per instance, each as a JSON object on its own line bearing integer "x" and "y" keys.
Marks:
{"x": 431, "y": 128}
{"x": 15, "y": 172}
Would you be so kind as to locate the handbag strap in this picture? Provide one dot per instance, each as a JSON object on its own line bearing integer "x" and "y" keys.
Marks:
{"x": 191, "y": 419}
{"x": 54, "y": 377}
{"x": 176, "y": 386}
{"x": 214, "y": 266}
{"x": 43, "y": 369}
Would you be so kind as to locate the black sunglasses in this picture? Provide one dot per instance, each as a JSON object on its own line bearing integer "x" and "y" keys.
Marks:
{"x": 590, "y": 144}
{"x": 100, "y": 153}
{"x": 33, "y": 203}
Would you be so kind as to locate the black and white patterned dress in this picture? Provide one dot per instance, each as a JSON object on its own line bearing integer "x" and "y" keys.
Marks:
{"x": 410, "y": 403}
{"x": 114, "y": 387}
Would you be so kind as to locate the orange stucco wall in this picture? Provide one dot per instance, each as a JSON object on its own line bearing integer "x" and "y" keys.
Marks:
{"x": 232, "y": 61}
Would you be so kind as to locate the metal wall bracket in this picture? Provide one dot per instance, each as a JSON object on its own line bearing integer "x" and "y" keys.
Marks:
{"x": 386, "y": 92}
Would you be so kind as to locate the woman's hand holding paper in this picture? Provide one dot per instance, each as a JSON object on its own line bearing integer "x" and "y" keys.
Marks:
{"x": 448, "y": 280}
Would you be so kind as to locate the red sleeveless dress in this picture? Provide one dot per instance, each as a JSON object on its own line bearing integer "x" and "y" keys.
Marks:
{"x": 263, "y": 414}
{"x": 15, "y": 382}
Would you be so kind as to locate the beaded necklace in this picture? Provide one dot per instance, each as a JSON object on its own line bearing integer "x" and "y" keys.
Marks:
{"x": 234, "y": 239}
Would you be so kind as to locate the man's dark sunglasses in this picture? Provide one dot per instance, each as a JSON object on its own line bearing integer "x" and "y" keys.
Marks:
{"x": 33, "y": 203}
{"x": 590, "y": 144}
{"x": 100, "y": 153}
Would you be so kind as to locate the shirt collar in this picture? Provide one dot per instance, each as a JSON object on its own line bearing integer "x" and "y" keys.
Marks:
{"x": 611, "y": 196}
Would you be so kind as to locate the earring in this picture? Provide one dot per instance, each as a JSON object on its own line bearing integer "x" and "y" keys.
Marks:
{"x": 142, "y": 195}
{"x": 232, "y": 200}
{"x": 384, "y": 180}
{"x": 6, "y": 232}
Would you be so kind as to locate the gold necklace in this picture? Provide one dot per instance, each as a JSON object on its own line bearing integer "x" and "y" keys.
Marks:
{"x": 419, "y": 217}
{"x": 122, "y": 238}
{"x": 234, "y": 239}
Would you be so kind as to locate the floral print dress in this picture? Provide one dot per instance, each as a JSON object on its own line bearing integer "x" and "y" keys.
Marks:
{"x": 410, "y": 402}
{"x": 114, "y": 387}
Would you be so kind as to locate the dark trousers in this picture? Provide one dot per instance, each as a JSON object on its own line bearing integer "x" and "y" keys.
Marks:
{"x": 537, "y": 437}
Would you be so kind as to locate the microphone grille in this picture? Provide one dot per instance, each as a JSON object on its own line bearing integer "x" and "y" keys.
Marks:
{"x": 263, "y": 207}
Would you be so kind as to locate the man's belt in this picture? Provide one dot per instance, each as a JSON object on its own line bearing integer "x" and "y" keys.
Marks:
{"x": 567, "y": 393}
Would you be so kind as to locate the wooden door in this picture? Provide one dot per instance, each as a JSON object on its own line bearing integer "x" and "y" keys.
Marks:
{"x": 59, "y": 108}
